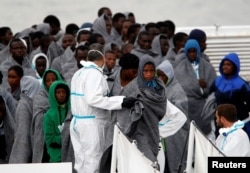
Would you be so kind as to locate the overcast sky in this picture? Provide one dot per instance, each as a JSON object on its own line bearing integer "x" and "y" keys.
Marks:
{"x": 20, "y": 14}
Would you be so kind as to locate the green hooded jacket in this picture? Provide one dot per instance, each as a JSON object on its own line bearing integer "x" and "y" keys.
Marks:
{"x": 54, "y": 121}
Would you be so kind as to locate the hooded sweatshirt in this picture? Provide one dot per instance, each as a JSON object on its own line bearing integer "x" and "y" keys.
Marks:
{"x": 233, "y": 90}
{"x": 54, "y": 121}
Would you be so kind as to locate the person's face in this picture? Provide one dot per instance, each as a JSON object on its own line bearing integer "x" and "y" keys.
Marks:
{"x": 45, "y": 42}
{"x": 227, "y": 68}
{"x": 8, "y": 36}
{"x": 61, "y": 95}
{"x": 118, "y": 24}
{"x": 164, "y": 46}
{"x": 54, "y": 29}
{"x": 81, "y": 55}
{"x": 125, "y": 26}
{"x": 162, "y": 76}
{"x": 148, "y": 72}
{"x": 108, "y": 26}
{"x": 127, "y": 49}
{"x": 13, "y": 79}
{"x": 145, "y": 42}
{"x": 218, "y": 120}
{"x": 49, "y": 79}
{"x": 40, "y": 65}
{"x": 100, "y": 40}
{"x": 169, "y": 33}
{"x": 110, "y": 59}
{"x": 203, "y": 44}
{"x": 131, "y": 18}
{"x": 108, "y": 13}
{"x": 192, "y": 54}
{"x": 130, "y": 74}
{"x": 35, "y": 43}
{"x": 181, "y": 44}
{"x": 163, "y": 30}
{"x": 17, "y": 49}
{"x": 153, "y": 31}
{"x": 132, "y": 36}
{"x": 83, "y": 38}
{"x": 68, "y": 40}
{"x": 117, "y": 52}
{"x": 2, "y": 111}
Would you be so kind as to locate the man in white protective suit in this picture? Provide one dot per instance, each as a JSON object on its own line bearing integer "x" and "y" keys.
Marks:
{"x": 91, "y": 105}
{"x": 232, "y": 140}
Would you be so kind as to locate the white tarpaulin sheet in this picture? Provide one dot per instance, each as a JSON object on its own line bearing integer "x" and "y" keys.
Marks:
{"x": 200, "y": 148}
{"x": 126, "y": 158}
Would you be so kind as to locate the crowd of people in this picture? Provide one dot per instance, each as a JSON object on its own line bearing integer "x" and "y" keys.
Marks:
{"x": 63, "y": 90}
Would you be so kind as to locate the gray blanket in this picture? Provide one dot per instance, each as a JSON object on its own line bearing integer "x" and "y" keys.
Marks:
{"x": 68, "y": 71}
{"x": 26, "y": 65}
{"x": 9, "y": 100}
{"x": 66, "y": 57}
{"x": 185, "y": 74}
{"x": 40, "y": 107}
{"x": 176, "y": 153}
{"x": 67, "y": 147}
{"x": 208, "y": 113}
{"x": 99, "y": 26}
{"x": 9, "y": 130}
{"x": 22, "y": 150}
{"x": 141, "y": 122}
{"x": 54, "y": 51}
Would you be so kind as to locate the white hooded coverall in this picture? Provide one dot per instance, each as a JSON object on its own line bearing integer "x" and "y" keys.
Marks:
{"x": 233, "y": 141}
{"x": 90, "y": 107}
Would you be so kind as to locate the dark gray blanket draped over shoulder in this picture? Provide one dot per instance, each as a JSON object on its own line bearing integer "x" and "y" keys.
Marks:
{"x": 144, "y": 119}
{"x": 67, "y": 147}
{"x": 141, "y": 122}
{"x": 208, "y": 113}
{"x": 9, "y": 130}
{"x": 185, "y": 74}
{"x": 22, "y": 149}
{"x": 40, "y": 107}
{"x": 54, "y": 51}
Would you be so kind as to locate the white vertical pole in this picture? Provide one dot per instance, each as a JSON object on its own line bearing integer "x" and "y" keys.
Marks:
{"x": 190, "y": 148}
{"x": 114, "y": 150}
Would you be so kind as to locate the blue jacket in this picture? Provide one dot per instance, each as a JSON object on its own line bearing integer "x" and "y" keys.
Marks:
{"x": 233, "y": 90}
